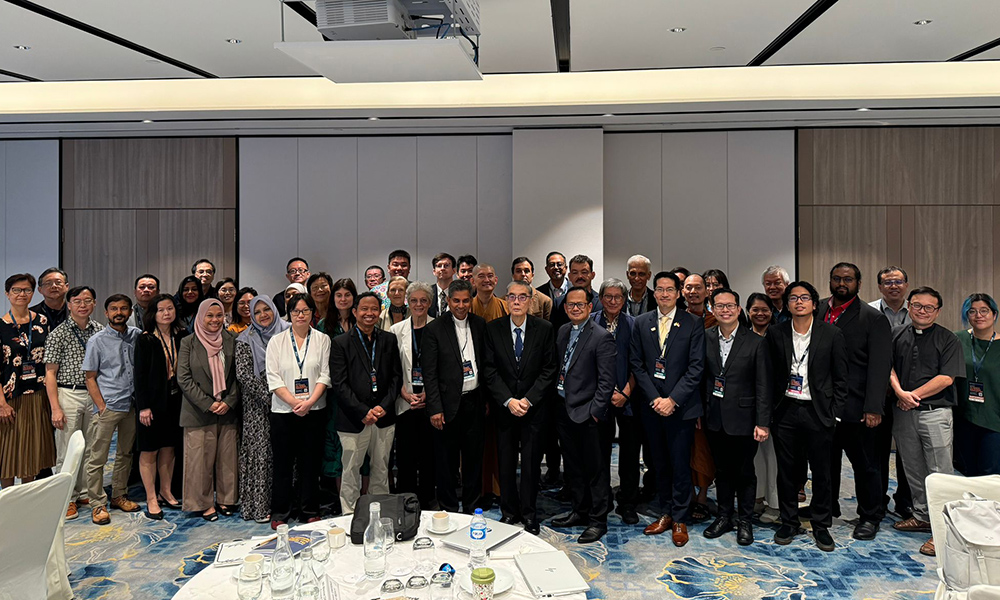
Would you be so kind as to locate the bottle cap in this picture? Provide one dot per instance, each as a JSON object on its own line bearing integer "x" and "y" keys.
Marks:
{"x": 479, "y": 511}
{"x": 483, "y": 576}
{"x": 375, "y": 506}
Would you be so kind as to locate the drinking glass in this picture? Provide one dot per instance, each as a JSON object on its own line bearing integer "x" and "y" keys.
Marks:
{"x": 417, "y": 588}
{"x": 441, "y": 586}
{"x": 250, "y": 583}
{"x": 423, "y": 555}
{"x": 392, "y": 589}
{"x": 390, "y": 534}
{"x": 320, "y": 546}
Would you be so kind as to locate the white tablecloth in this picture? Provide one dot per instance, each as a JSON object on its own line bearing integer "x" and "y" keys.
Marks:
{"x": 217, "y": 582}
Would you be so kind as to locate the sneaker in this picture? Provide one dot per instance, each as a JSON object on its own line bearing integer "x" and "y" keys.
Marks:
{"x": 71, "y": 512}
{"x": 123, "y": 504}
{"x": 912, "y": 524}
{"x": 83, "y": 501}
{"x": 100, "y": 516}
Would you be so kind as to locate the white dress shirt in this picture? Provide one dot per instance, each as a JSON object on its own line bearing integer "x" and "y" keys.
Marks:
{"x": 726, "y": 344}
{"x": 800, "y": 361}
{"x": 468, "y": 349}
{"x": 283, "y": 369}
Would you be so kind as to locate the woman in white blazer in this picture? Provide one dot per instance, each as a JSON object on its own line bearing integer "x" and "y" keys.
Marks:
{"x": 414, "y": 459}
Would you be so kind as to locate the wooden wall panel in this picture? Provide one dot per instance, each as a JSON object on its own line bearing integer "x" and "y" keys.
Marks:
{"x": 184, "y": 236}
{"x": 100, "y": 251}
{"x": 853, "y": 234}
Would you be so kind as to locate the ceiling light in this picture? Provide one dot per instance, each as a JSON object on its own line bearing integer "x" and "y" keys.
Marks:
{"x": 678, "y": 29}
{"x": 373, "y": 118}
{"x": 863, "y": 109}
{"x": 234, "y": 41}
{"x": 607, "y": 115}
{"x": 146, "y": 121}
{"x": 22, "y": 47}
{"x": 717, "y": 48}
{"x": 923, "y": 22}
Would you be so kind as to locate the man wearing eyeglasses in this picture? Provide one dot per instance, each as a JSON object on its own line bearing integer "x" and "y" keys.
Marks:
{"x": 893, "y": 285}
{"x": 296, "y": 271}
{"x": 926, "y": 359}
{"x": 640, "y": 298}
{"x": 66, "y": 386}
{"x": 555, "y": 268}
{"x": 519, "y": 365}
{"x": 540, "y": 305}
{"x": 869, "y": 359}
{"x": 204, "y": 270}
{"x": 53, "y": 285}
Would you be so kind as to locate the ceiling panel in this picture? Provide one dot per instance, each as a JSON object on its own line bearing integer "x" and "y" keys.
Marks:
{"x": 62, "y": 53}
{"x": 993, "y": 54}
{"x": 634, "y": 34}
{"x": 195, "y": 31}
{"x": 517, "y": 37}
{"x": 6, "y": 79}
{"x": 857, "y": 31}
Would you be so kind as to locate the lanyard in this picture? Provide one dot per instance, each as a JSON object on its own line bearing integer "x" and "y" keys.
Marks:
{"x": 465, "y": 342}
{"x": 978, "y": 364}
{"x": 798, "y": 363}
{"x": 301, "y": 362}
{"x": 79, "y": 338}
{"x": 569, "y": 350}
{"x": 170, "y": 349}
{"x": 371, "y": 353}
{"x": 416, "y": 347}
{"x": 18, "y": 327}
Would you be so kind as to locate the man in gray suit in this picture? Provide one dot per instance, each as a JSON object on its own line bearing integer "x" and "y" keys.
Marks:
{"x": 584, "y": 385}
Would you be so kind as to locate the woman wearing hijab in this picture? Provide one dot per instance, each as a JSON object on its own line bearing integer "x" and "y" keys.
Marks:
{"x": 206, "y": 372}
{"x": 291, "y": 290}
{"x": 189, "y": 297}
{"x": 251, "y": 371}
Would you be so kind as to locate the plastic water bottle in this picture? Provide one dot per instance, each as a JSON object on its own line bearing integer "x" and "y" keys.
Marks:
{"x": 282, "y": 575}
{"x": 307, "y": 587}
{"x": 374, "y": 544}
{"x": 477, "y": 545}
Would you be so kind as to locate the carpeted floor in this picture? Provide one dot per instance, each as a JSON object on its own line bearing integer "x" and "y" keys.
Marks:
{"x": 136, "y": 558}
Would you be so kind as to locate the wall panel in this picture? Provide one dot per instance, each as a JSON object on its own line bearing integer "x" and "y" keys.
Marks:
{"x": 184, "y": 236}
{"x": 328, "y": 205}
{"x": 854, "y": 234}
{"x": 447, "y": 211}
{"x": 494, "y": 222}
{"x": 100, "y": 251}
{"x": 633, "y": 199}
{"x": 387, "y": 198}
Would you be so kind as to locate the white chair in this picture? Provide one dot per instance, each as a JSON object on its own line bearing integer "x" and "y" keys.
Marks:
{"x": 941, "y": 489}
{"x": 58, "y": 568}
{"x": 30, "y": 513}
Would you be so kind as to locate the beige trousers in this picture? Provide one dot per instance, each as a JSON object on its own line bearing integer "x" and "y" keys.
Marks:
{"x": 210, "y": 466}
{"x": 104, "y": 427}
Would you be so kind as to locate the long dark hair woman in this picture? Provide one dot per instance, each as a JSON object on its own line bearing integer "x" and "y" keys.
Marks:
{"x": 339, "y": 320}
{"x": 158, "y": 399}
{"x": 241, "y": 317}
{"x": 189, "y": 297}
{"x": 225, "y": 291}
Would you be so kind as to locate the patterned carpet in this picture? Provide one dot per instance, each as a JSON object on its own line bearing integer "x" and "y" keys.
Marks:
{"x": 136, "y": 558}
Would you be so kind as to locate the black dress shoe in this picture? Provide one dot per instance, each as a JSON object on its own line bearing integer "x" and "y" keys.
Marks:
{"x": 718, "y": 527}
{"x": 532, "y": 527}
{"x": 824, "y": 541}
{"x": 744, "y": 533}
{"x": 155, "y": 516}
{"x": 785, "y": 535}
{"x": 592, "y": 534}
{"x": 628, "y": 515}
{"x": 225, "y": 511}
{"x": 865, "y": 530}
{"x": 570, "y": 520}
{"x": 563, "y": 495}
{"x": 509, "y": 520}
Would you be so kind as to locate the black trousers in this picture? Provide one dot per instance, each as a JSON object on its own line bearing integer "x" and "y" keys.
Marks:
{"x": 735, "y": 476}
{"x": 800, "y": 439}
{"x": 860, "y": 443}
{"x": 524, "y": 437}
{"x": 587, "y": 476}
{"x": 669, "y": 441}
{"x": 903, "y": 498}
{"x": 460, "y": 446}
{"x": 550, "y": 443}
{"x": 296, "y": 446}
{"x": 415, "y": 455}
{"x": 629, "y": 435}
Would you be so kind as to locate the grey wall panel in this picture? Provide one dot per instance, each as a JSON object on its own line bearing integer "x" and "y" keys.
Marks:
{"x": 3, "y": 211}
{"x": 268, "y": 223}
{"x": 387, "y": 199}
{"x": 761, "y": 220}
{"x": 494, "y": 222}
{"x": 695, "y": 201}
{"x": 633, "y": 167}
{"x": 328, "y": 205}
{"x": 446, "y": 201}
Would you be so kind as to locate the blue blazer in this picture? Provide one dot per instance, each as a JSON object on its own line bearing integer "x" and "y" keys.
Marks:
{"x": 685, "y": 361}
{"x": 623, "y": 339}
{"x": 590, "y": 375}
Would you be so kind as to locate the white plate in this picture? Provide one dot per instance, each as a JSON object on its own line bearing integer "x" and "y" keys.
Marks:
{"x": 452, "y": 526}
{"x": 503, "y": 583}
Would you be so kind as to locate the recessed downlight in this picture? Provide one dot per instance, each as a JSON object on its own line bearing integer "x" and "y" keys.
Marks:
{"x": 678, "y": 29}
{"x": 923, "y": 22}
{"x": 22, "y": 47}
{"x": 234, "y": 41}
{"x": 717, "y": 48}
{"x": 147, "y": 121}
{"x": 608, "y": 115}
{"x": 863, "y": 109}
{"x": 373, "y": 118}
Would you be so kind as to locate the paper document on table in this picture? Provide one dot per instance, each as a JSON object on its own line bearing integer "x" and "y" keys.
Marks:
{"x": 233, "y": 553}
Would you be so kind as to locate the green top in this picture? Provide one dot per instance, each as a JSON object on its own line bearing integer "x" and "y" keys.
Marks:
{"x": 984, "y": 414}
{"x": 483, "y": 576}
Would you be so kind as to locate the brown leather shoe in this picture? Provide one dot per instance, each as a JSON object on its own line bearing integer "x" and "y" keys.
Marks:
{"x": 83, "y": 501}
{"x": 927, "y": 549}
{"x": 659, "y": 526}
{"x": 71, "y": 512}
{"x": 680, "y": 534}
{"x": 101, "y": 516}
{"x": 912, "y": 524}
{"x": 123, "y": 504}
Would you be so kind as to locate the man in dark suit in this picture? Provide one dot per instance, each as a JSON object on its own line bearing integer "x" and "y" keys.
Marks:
{"x": 868, "y": 337}
{"x": 443, "y": 265}
{"x": 584, "y": 386}
{"x": 640, "y": 298}
{"x": 519, "y": 366}
{"x": 366, "y": 375}
{"x": 738, "y": 412}
{"x": 452, "y": 355}
{"x": 581, "y": 274}
{"x": 554, "y": 288}
{"x": 809, "y": 387}
{"x": 668, "y": 358}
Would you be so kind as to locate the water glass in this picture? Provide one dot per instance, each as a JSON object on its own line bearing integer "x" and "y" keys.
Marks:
{"x": 417, "y": 588}
{"x": 390, "y": 534}
{"x": 392, "y": 589}
{"x": 320, "y": 546}
{"x": 441, "y": 586}
{"x": 250, "y": 582}
{"x": 423, "y": 555}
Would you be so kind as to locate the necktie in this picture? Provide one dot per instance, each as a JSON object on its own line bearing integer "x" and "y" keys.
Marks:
{"x": 664, "y": 321}
{"x": 518, "y": 344}
{"x": 444, "y": 303}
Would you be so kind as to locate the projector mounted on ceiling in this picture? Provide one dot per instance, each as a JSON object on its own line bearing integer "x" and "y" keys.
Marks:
{"x": 340, "y": 20}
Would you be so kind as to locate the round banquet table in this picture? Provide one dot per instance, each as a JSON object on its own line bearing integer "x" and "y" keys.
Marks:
{"x": 217, "y": 583}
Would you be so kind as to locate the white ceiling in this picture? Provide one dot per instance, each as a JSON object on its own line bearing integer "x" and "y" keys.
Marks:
{"x": 516, "y": 37}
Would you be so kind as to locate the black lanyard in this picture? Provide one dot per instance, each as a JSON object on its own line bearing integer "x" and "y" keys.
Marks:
{"x": 978, "y": 364}
{"x": 18, "y": 327}
{"x": 798, "y": 363}
{"x": 371, "y": 353}
{"x": 74, "y": 328}
{"x": 301, "y": 362}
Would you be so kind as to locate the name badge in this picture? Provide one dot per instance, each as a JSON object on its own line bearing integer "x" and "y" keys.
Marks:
{"x": 374, "y": 382}
{"x": 562, "y": 379}
{"x": 719, "y": 389}
{"x": 28, "y": 371}
{"x": 794, "y": 385}
{"x": 302, "y": 387}
{"x": 467, "y": 372}
{"x": 977, "y": 392}
{"x": 417, "y": 375}
{"x": 660, "y": 369}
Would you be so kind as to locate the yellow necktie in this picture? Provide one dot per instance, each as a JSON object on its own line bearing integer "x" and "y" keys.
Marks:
{"x": 663, "y": 331}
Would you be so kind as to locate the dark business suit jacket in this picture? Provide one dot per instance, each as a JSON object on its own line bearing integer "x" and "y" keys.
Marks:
{"x": 684, "y": 358}
{"x": 194, "y": 377}
{"x": 546, "y": 289}
{"x": 435, "y": 309}
{"x": 623, "y": 340}
{"x": 559, "y": 316}
{"x": 351, "y": 379}
{"x": 442, "y": 362}
{"x": 868, "y": 337}
{"x": 152, "y": 388}
{"x": 746, "y": 400}
{"x": 827, "y": 364}
{"x": 532, "y": 377}
{"x": 590, "y": 374}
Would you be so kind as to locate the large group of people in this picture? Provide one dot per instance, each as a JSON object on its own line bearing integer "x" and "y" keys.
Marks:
{"x": 457, "y": 390}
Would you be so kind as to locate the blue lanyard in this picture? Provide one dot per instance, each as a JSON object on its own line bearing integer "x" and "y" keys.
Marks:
{"x": 79, "y": 338}
{"x": 371, "y": 352}
{"x": 570, "y": 349}
{"x": 18, "y": 327}
{"x": 295, "y": 347}
{"x": 416, "y": 348}
{"x": 978, "y": 364}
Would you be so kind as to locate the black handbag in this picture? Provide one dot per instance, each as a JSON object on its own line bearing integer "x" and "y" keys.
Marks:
{"x": 403, "y": 509}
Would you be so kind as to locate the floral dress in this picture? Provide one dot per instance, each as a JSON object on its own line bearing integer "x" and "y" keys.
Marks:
{"x": 255, "y": 449}
{"x": 27, "y": 445}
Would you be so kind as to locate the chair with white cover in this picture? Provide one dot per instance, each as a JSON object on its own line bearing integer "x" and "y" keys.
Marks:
{"x": 30, "y": 513}
{"x": 58, "y": 569}
{"x": 941, "y": 489}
